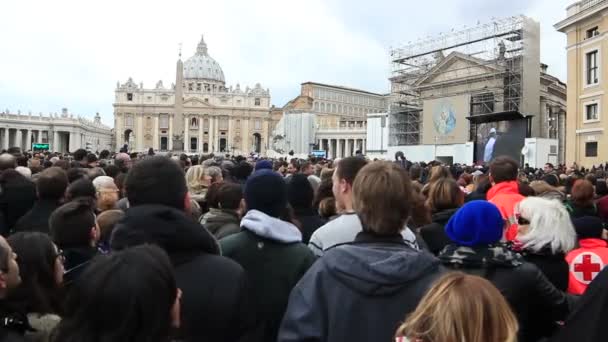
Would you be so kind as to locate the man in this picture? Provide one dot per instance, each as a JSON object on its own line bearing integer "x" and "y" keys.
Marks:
{"x": 504, "y": 192}
{"x": 345, "y": 228}
{"x": 586, "y": 261}
{"x": 13, "y": 325}
{"x": 269, "y": 249}
{"x": 7, "y": 161}
{"x": 292, "y": 167}
{"x": 488, "y": 151}
{"x": 107, "y": 193}
{"x": 307, "y": 169}
{"x": 215, "y": 306}
{"x": 549, "y": 169}
{"x": 74, "y": 229}
{"x": 361, "y": 291}
{"x": 50, "y": 188}
{"x": 80, "y": 156}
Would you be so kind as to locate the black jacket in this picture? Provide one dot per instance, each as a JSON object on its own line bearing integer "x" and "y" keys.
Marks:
{"x": 16, "y": 199}
{"x": 13, "y": 325}
{"x": 359, "y": 291}
{"x": 310, "y": 221}
{"x": 37, "y": 219}
{"x": 434, "y": 234}
{"x": 215, "y": 305}
{"x": 554, "y": 267}
{"x": 76, "y": 261}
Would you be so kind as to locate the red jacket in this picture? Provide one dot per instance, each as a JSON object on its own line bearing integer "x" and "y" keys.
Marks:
{"x": 585, "y": 263}
{"x": 505, "y": 196}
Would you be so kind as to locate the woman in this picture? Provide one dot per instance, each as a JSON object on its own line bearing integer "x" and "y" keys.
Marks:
{"x": 223, "y": 217}
{"x": 123, "y": 296}
{"x": 545, "y": 236}
{"x": 437, "y": 172}
{"x": 448, "y": 312}
{"x": 445, "y": 197}
{"x": 38, "y": 296}
{"x": 545, "y": 190}
{"x": 475, "y": 231}
{"x": 581, "y": 200}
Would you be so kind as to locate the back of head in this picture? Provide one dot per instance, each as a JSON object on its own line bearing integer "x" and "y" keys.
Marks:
{"x": 107, "y": 221}
{"x": 104, "y": 183}
{"x": 588, "y": 227}
{"x": 105, "y": 154}
{"x": 122, "y": 296}
{"x": 76, "y": 173}
{"x": 503, "y": 169}
{"x": 95, "y": 172}
{"x": 349, "y": 167}
{"x": 80, "y": 154}
{"x": 582, "y": 193}
{"x": 382, "y": 196}
{"x": 194, "y": 178}
{"x": 448, "y": 312}
{"x": 7, "y": 161}
{"x": 111, "y": 170}
{"x": 25, "y": 171}
{"x": 439, "y": 172}
{"x": 156, "y": 180}
{"x": 51, "y": 184}
{"x": 601, "y": 188}
{"x": 476, "y": 223}
{"x": 300, "y": 192}
{"x": 266, "y": 191}
{"x": 229, "y": 196}
{"x": 71, "y": 224}
{"x": 444, "y": 194}
{"x": 415, "y": 172}
{"x": 81, "y": 188}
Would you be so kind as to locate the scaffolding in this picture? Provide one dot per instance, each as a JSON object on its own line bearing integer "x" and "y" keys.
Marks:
{"x": 498, "y": 47}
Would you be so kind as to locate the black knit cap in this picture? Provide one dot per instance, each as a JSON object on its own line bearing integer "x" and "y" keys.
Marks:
{"x": 266, "y": 191}
{"x": 588, "y": 227}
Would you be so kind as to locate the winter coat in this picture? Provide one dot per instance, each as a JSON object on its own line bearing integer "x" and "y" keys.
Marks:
{"x": 578, "y": 211}
{"x": 602, "y": 208}
{"x": 585, "y": 263}
{"x": 37, "y": 219}
{"x": 76, "y": 262}
{"x": 530, "y": 294}
{"x": 221, "y": 222}
{"x": 215, "y": 304}
{"x": 434, "y": 234}
{"x": 16, "y": 200}
{"x": 310, "y": 221}
{"x": 360, "y": 291}
{"x": 553, "y": 266}
{"x": 271, "y": 252}
{"x": 505, "y": 196}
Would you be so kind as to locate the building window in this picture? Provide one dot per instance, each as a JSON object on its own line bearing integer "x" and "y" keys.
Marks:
{"x": 592, "y": 67}
{"x": 592, "y": 32}
{"x": 129, "y": 120}
{"x": 164, "y": 121}
{"x": 591, "y": 112}
{"x": 322, "y": 107}
{"x": 193, "y": 144}
{"x": 198, "y": 87}
{"x": 316, "y": 106}
{"x": 333, "y": 108}
{"x": 190, "y": 86}
{"x": 193, "y": 123}
{"x": 257, "y": 101}
{"x": 591, "y": 149}
{"x": 238, "y": 125}
{"x": 258, "y": 124}
{"x": 206, "y": 100}
{"x": 164, "y": 143}
{"x": 129, "y": 96}
{"x": 223, "y": 124}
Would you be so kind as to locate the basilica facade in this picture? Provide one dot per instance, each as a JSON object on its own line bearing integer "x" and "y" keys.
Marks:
{"x": 198, "y": 114}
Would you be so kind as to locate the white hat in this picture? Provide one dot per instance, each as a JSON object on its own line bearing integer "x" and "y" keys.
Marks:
{"x": 492, "y": 130}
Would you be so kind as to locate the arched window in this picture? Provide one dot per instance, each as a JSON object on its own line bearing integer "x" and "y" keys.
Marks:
{"x": 194, "y": 123}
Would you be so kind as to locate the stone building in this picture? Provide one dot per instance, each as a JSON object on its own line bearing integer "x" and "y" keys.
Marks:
{"x": 197, "y": 114}
{"x": 63, "y": 133}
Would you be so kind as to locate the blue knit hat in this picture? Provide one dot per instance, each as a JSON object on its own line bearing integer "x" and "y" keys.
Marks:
{"x": 263, "y": 164}
{"x": 476, "y": 223}
{"x": 266, "y": 191}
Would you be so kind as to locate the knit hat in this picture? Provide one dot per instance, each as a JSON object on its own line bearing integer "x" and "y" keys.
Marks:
{"x": 299, "y": 191}
{"x": 476, "y": 223}
{"x": 266, "y": 191}
{"x": 588, "y": 227}
{"x": 263, "y": 164}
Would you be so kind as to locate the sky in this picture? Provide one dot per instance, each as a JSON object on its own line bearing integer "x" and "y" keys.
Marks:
{"x": 61, "y": 53}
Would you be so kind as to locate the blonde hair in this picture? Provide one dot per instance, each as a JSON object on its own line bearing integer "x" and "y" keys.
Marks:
{"x": 194, "y": 179}
{"x": 540, "y": 187}
{"x": 449, "y": 313}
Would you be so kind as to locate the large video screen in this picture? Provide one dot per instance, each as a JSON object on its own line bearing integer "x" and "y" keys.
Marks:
{"x": 500, "y": 138}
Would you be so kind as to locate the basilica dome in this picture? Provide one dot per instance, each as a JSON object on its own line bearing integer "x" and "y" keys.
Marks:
{"x": 202, "y": 67}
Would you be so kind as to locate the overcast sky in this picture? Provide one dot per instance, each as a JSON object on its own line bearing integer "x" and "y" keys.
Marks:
{"x": 56, "y": 54}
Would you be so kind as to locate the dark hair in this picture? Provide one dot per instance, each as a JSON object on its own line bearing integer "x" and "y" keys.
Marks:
{"x": 348, "y": 168}
{"x": 525, "y": 189}
{"x": 51, "y": 184}
{"x": 551, "y": 179}
{"x": 75, "y": 174}
{"x": 4, "y": 258}
{"x": 104, "y": 154}
{"x": 444, "y": 194}
{"x": 71, "y": 224}
{"x": 79, "y": 154}
{"x": 156, "y": 180}
{"x": 62, "y": 163}
{"x": 91, "y": 157}
{"x": 95, "y": 172}
{"x": 111, "y": 170}
{"x": 229, "y": 196}
{"x": 415, "y": 172}
{"x": 122, "y": 296}
{"x": 591, "y": 178}
{"x": 324, "y": 191}
{"x": 582, "y": 193}
{"x": 39, "y": 291}
{"x": 300, "y": 193}
{"x": 107, "y": 222}
{"x": 503, "y": 169}
{"x": 242, "y": 170}
{"x": 601, "y": 189}
{"x": 81, "y": 188}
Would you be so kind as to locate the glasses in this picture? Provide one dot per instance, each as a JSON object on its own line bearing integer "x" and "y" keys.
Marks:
{"x": 522, "y": 221}
{"x": 60, "y": 255}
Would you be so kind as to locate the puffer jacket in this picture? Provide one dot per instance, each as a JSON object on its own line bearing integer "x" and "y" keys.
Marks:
{"x": 221, "y": 222}
{"x": 505, "y": 196}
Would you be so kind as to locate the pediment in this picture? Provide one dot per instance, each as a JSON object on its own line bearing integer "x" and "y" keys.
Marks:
{"x": 196, "y": 102}
{"x": 457, "y": 66}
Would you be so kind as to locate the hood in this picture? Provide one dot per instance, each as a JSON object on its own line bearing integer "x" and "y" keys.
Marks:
{"x": 378, "y": 268}
{"x": 220, "y": 216}
{"x": 503, "y": 188}
{"x": 442, "y": 217}
{"x": 171, "y": 229}
{"x": 270, "y": 227}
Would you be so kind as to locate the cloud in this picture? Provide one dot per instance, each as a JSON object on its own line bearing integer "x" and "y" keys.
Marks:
{"x": 71, "y": 53}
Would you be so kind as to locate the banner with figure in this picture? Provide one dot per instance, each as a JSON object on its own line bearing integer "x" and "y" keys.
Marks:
{"x": 444, "y": 120}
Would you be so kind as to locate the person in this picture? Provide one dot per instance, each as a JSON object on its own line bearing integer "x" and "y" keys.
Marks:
{"x": 488, "y": 151}
{"x": 475, "y": 231}
{"x": 7, "y": 162}
{"x": 581, "y": 201}
{"x": 106, "y": 193}
{"x": 437, "y": 172}
{"x": 307, "y": 169}
{"x": 224, "y": 201}
{"x": 549, "y": 169}
{"x": 293, "y": 167}
{"x": 448, "y": 312}
{"x": 445, "y": 197}
{"x": 300, "y": 195}
{"x": 80, "y": 157}
{"x": 124, "y": 296}
{"x": 545, "y": 234}
{"x": 269, "y": 249}
{"x": 195, "y": 179}
{"x": 17, "y": 197}
{"x": 545, "y": 190}
{"x": 370, "y": 282}
{"x": 74, "y": 229}
{"x": 39, "y": 294}
{"x": 81, "y": 189}
{"x": 13, "y": 324}
{"x": 415, "y": 174}
{"x": 216, "y": 305}
{"x": 50, "y": 187}
{"x": 586, "y": 262}
{"x": 504, "y": 192}
{"x": 107, "y": 221}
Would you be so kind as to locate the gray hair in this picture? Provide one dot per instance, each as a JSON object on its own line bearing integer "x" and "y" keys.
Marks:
{"x": 103, "y": 182}
{"x": 213, "y": 172}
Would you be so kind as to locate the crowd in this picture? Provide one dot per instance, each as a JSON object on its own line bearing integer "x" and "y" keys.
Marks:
{"x": 143, "y": 247}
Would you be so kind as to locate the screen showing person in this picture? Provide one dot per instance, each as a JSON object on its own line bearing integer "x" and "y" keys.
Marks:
{"x": 500, "y": 138}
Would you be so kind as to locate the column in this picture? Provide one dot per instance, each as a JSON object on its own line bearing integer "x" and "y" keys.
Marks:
{"x": 364, "y": 147}
{"x": 186, "y": 134}
{"x": 55, "y": 146}
{"x": 170, "y": 139}
{"x": 71, "y": 142}
{"x": 6, "y": 136}
{"x": 333, "y": 143}
{"x": 155, "y": 134}
{"x": 211, "y": 134}
{"x": 18, "y": 138}
{"x": 139, "y": 135}
{"x": 28, "y": 140}
{"x": 200, "y": 135}
{"x": 340, "y": 153}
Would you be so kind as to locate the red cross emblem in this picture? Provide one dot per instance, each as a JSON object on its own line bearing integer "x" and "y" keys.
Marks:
{"x": 586, "y": 266}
